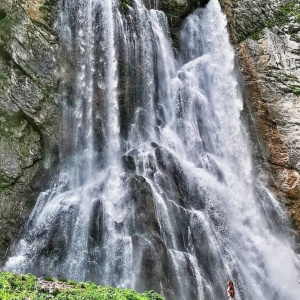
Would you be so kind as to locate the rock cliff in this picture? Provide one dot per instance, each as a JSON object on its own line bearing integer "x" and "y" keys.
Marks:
{"x": 267, "y": 39}
{"x": 28, "y": 111}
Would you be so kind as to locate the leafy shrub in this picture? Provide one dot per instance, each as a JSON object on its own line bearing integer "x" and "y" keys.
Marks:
{"x": 20, "y": 287}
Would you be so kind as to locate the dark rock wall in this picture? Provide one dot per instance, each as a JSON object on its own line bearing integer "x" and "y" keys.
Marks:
{"x": 28, "y": 109}
{"x": 177, "y": 11}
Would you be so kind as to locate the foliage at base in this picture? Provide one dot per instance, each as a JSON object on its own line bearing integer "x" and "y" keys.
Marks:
{"x": 20, "y": 287}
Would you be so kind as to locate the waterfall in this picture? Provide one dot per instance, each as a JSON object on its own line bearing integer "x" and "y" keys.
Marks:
{"x": 155, "y": 187}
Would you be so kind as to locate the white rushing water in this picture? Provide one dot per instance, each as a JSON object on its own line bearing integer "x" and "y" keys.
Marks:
{"x": 155, "y": 187}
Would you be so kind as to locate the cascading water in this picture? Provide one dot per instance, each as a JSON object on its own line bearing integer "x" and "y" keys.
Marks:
{"x": 155, "y": 188}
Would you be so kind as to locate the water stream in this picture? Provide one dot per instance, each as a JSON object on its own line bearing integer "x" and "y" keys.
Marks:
{"x": 155, "y": 187}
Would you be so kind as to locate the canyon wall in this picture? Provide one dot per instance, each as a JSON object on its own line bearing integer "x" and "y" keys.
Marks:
{"x": 28, "y": 109}
{"x": 266, "y": 35}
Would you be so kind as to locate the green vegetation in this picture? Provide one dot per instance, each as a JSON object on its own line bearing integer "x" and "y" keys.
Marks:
{"x": 5, "y": 32}
{"x": 256, "y": 35}
{"x": 25, "y": 151}
{"x": 288, "y": 8}
{"x": 2, "y": 14}
{"x": 296, "y": 91}
{"x": 6, "y": 23}
{"x": 126, "y": 4}
{"x": 5, "y": 26}
{"x": 4, "y": 79}
{"x": 5, "y": 191}
{"x": 281, "y": 18}
{"x": 48, "y": 9}
{"x": 20, "y": 287}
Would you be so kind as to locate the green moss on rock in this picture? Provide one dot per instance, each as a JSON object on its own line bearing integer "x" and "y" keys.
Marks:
{"x": 3, "y": 14}
{"x": 256, "y": 35}
{"x": 5, "y": 25}
{"x": 48, "y": 9}
{"x": 5, "y": 190}
{"x": 296, "y": 91}
{"x": 126, "y": 4}
{"x": 4, "y": 81}
{"x": 280, "y": 18}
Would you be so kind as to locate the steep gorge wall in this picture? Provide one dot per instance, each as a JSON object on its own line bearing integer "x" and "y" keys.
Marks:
{"x": 28, "y": 109}
{"x": 266, "y": 34}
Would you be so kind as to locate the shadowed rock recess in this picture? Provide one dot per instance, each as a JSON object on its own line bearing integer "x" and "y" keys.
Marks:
{"x": 28, "y": 112}
{"x": 267, "y": 38}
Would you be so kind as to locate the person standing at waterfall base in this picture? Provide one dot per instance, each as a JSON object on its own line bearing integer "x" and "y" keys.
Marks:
{"x": 230, "y": 290}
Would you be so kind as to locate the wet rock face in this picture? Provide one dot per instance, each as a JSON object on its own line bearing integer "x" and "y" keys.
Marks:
{"x": 251, "y": 16}
{"x": 144, "y": 212}
{"x": 176, "y": 11}
{"x": 28, "y": 112}
{"x": 267, "y": 36}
